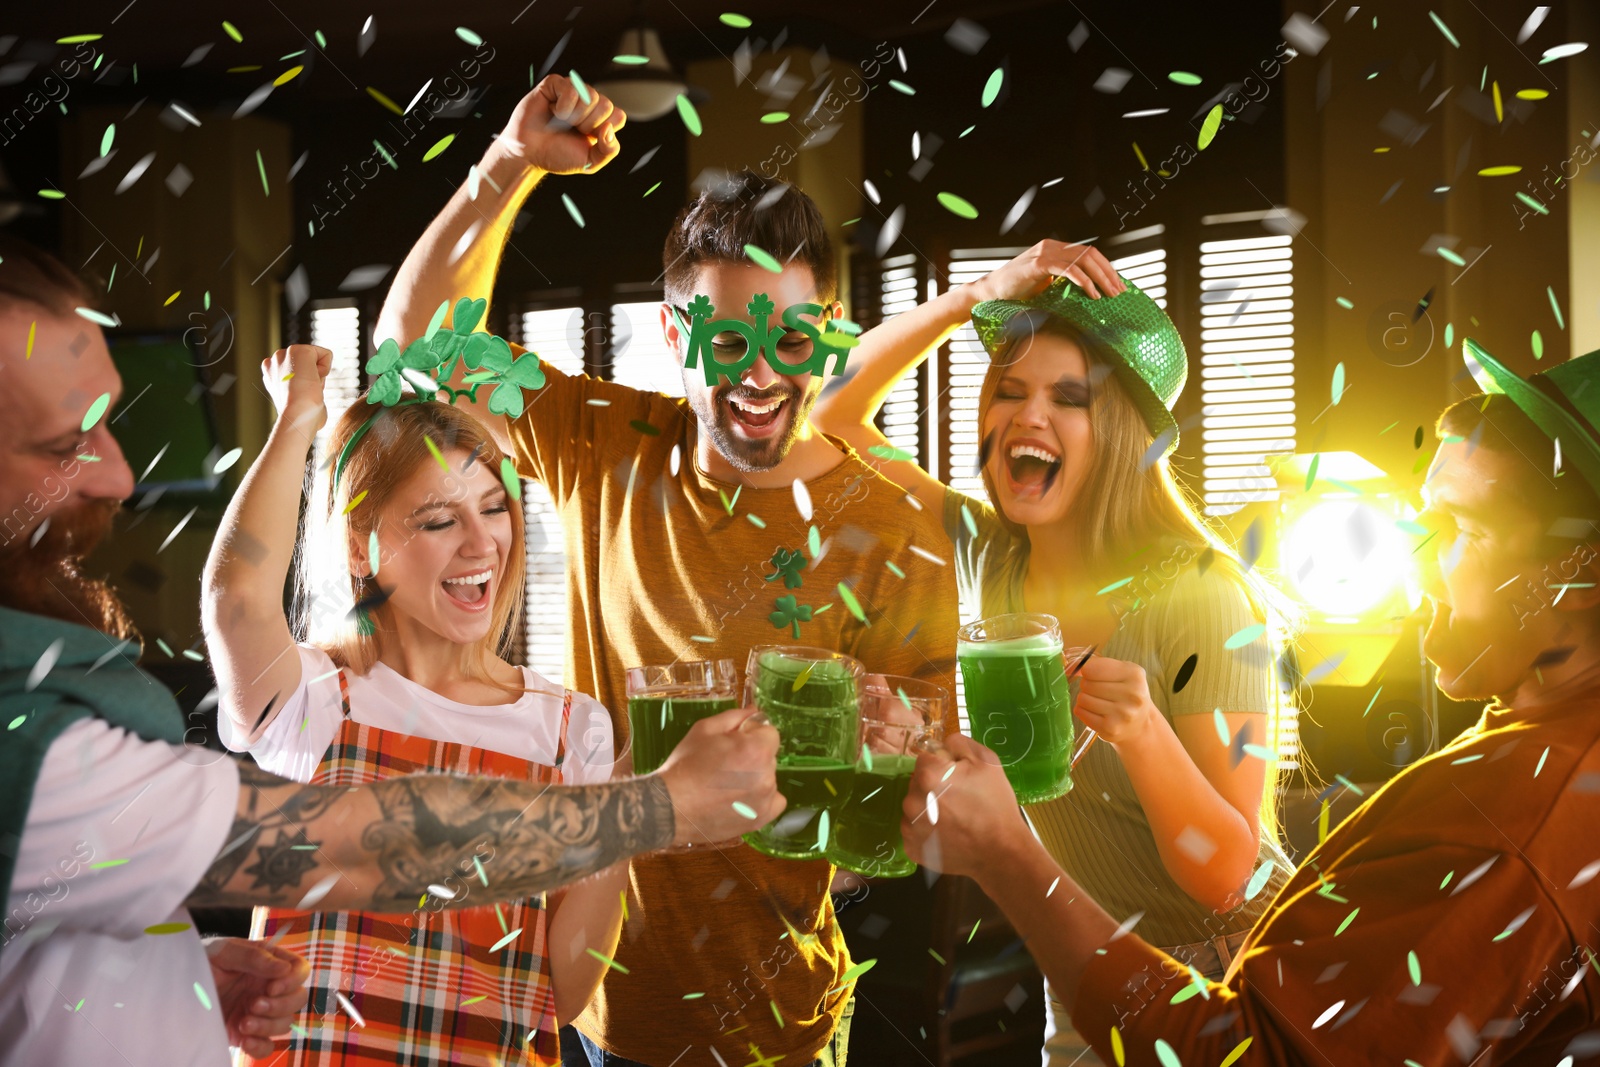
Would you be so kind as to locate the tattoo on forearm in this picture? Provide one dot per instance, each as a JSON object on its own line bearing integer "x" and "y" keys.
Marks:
{"x": 431, "y": 827}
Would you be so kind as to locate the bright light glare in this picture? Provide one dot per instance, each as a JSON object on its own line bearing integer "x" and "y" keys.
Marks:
{"x": 1345, "y": 557}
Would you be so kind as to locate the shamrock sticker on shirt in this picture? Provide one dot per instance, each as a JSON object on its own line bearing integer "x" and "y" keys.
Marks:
{"x": 790, "y": 613}
{"x": 789, "y": 562}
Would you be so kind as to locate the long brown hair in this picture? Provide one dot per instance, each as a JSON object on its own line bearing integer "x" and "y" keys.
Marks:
{"x": 1126, "y": 502}
{"x": 388, "y": 454}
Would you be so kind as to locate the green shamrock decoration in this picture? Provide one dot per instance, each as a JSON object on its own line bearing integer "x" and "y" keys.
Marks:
{"x": 761, "y": 339}
{"x": 789, "y": 563}
{"x": 790, "y": 613}
{"x": 429, "y": 363}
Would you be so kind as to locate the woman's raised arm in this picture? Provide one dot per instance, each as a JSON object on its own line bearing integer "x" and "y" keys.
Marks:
{"x": 252, "y": 650}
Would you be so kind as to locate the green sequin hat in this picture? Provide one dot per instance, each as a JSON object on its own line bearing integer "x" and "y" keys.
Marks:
{"x": 1150, "y": 360}
{"x": 1563, "y": 401}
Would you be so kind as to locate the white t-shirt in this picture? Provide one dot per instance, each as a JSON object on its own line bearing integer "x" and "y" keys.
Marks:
{"x": 294, "y": 743}
{"x": 80, "y": 980}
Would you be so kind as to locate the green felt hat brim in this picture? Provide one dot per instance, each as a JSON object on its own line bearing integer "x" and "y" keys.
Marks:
{"x": 1579, "y": 448}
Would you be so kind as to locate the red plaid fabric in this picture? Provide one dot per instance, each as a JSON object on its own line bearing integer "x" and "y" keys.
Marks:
{"x": 432, "y": 987}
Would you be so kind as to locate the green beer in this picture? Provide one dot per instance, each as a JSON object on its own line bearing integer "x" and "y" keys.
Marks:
{"x": 817, "y": 723}
{"x": 1019, "y": 703}
{"x": 866, "y": 837}
{"x": 659, "y": 719}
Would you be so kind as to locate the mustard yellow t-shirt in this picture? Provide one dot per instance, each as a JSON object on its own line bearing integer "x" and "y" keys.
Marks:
{"x": 666, "y": 563}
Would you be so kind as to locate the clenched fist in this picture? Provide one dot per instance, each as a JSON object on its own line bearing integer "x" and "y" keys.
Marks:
{"x": 295, "y": 377}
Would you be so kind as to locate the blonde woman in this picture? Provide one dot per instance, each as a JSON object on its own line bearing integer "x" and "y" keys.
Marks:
{"x": 1165, "y": 821}
{"x": 404, "y": 673}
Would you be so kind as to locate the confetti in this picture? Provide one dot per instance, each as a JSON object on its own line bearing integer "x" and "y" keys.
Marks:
{"x": 1555, "y": 307}
{"x": 652, "y": 189}
{"x": 107, "y": 138}
{"x": 468, "y": 36}
{"x": 1348, "y": 919}
{"x": 1209, "y": 128}
{"x": 1439, "y": 22}
{"x": 474, "y": 1000}
{"x": 287, "y": 76}
{"x": 199, "y": 991}
{"x": 1450, "y": 257}
{"x": 96, "y": 409}
{"x": 933, "y": 809}
{"x": 572, "y": 209}
{"x": 744, "y": 809}
{"x": 854, "y": 972}
{"x": 1185, "y": 672}
{"x": 691, "y": 117}
{"x": 350, "y": 1009}
{"x": 1344, "y": 303}
{"x": 18, "y": 721}
{"x": 607, "y": 960}
{"x": 1259, "y": 879}
{"x": 850, "y": 602}
{"x": 763, "y": 259}
{"x": 443, "y": 143}
{"x": 437, "y": 455}
{"x": 166, "y": 928}
{"x": 1538, "y": 353}
{"x": 991, "y": 88}
{"x": 81, "y": 38}
{"x": 1585, "y": 876}
{"x": 228, "y": 459}
{"x": 52, "y": 194}
{"x": 1499, "y": 171}
{"x": 99, "y": 318}
{"x": 355, "y": 502}
{"x": 958, "y": 206}
{"x": 737, "y": 21}
{"x": 1238, "y": 1050}
{"x": 630, "y": 60}
{"x": 1245, "y": 636}
{"x": 1562, "y": 51}
{"x": 103, "y": 864}
{"x": 1415, "y": 967}
{"x": 772, "y": 118}
{"x": 228, "y": 28}
{"x": 1532, "y": 94}
{"x": 802, "y": 499}
{"x": 506, "y": 940}
{"x": 901, "y": 87}
{"x": 508, "y": 478}
{"x": 1338, "y": 383}
{"x": 890, "y": 452}
{"x": 1165, "y": 1054}
{"x": 1183, "y": 77}
{"x": 385, "y": 101}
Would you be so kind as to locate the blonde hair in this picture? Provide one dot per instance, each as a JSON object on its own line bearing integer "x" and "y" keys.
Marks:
{"x": 389, "y": 453}
{"x": 1125, "y": 502}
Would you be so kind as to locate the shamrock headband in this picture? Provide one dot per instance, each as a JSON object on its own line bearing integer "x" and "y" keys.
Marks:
{"x": 761, "y": 340}
{"x": 429, "y": 362}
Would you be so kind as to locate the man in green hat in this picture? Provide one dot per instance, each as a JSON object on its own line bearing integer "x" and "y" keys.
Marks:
{"x": 1455, "y": 916}
{"x": 110, "y": 826}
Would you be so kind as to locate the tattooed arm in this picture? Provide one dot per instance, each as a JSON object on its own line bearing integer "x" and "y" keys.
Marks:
{"x": 384, "y": 845}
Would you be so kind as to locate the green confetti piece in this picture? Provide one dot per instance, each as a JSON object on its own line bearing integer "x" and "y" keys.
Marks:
{"x": 190, "y": 653}
{"x": 79, "y": 38}
{"x": 578, "y": 84}
{"x": 1165, "y": 1054}
{"x": 504, "y": 941}
{"x": 1439, "y": 22}
{"x": 468, "y": 36}
{"x": 890, "y": 452}
{"x": 481, "y": 996}
{"x": 1258, "y": 881}
{"x": 822, "y": 829}
{"x": 693, "y": 996}
{"x": 97, "y": 317}
{"x": 969, "y": 521}
{"x": 737, "y": 21}
{"x": 1183, "y": 77}
{"x": 106, "y": 138}
{"x": 322, "y": 42}
{"x": 1114, "y": 585}
{"x": 1555, "y": 307}
{"x": 896, "y": 571}
{"x": 1538, "y": 345}
{"x": 164, "y": 647}
{"x": 814, "y": 542}
{"x": 387, "y": 158}
{"x": 1542, "y": 758}
{"x": 205, "y": 1001}
{"x": 1344, "y": 303}
{"x": 901, "y": 87}
{"x": 772, "y": 118}
{"x": 228, "y": 459}
{"x": 1311, "y": 472}
{"x": 572, "y": 209}
{"x": 96, "y": 410}
{"x": 958, "y": 206}
{"x": 52, "y": 194}
{"x": 1447, "y": 878}
{"x": 776, "y": 1014}
{"x": 1416, "y": 529}
{"x": 1415, "y": 967}
{"x": 18, "y": 721}
{"x": 856, "y": 972}
{"x": 440, "y": 145}
{"x": 691, "y": 117}
{"x": 991, "y": 88}
{"x": 103, "y": 864}
{"x": 437, "y": 455}
{"x": 1209, "y": 128}
{"x": 1245, "y": 636}
{"x": 1449, "y": 334}
{"x": 166, "y": 928}
{"x": 1348, "y": 784}
{"x": 1221, "y": 723}
{"x": 1531, "y": 202}
{"x": 763, "y": 259}
{"x": 652, "y": 189}
{"x": 850, "y": 602}
{"x": 607, "y": 960}
{"x": 1260, "y": 752}
{"x": 1450, "y": 257}
{"x": 231, "y": 31}
{"x": 966, "y": 131}
{"x": 508, "y": 478}
{"x": 1338, "y": 382}
{"x": 1348, "y": 919}
{"x": 744, "y": 809}
{"x": 756, "y": 522}
{"x": 629, "y": 60}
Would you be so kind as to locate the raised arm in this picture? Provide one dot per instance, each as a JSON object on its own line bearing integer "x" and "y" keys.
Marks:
{"x": 891, "y": 350}
{"x": 252, "y": 650}
{"x": 397, "y": 844}
{"x": 551, "y": 131}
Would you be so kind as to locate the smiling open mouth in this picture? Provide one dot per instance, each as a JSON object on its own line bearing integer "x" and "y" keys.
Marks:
{"x": 469, "y": 589}
{"x": 1032, "y": 467}
{"x": 756, "y": 416}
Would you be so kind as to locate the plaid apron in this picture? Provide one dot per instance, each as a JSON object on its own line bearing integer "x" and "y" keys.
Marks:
{"x": 424, "y": 988}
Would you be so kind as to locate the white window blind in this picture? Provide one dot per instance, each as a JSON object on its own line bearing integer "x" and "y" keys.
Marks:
{"x": 968, "y": 362}
{"x": 1247, "y": 367}
{"x": 639, "y": 353}
{"x": 336, "y": 326}
{"x": 903, "y": 410}
{"x": 1147, "y": 270}
{"x": 548, "y": 333}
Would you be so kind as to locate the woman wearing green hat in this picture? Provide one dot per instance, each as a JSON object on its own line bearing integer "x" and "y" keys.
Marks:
{"x": 1167, "y": 820}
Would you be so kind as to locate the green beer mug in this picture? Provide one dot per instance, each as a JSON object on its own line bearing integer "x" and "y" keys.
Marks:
{"x": 899, "y": 718}
{"x": 812, "y": 696}
{"x": 1018, "y": 700}
{"x": 665, "y": 701}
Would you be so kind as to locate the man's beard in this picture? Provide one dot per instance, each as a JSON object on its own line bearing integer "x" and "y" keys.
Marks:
{"x": 741, "y": 453}
{"x": 47, "y": 577}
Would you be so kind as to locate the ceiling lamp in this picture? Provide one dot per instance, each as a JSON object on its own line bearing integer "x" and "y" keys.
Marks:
{"x": 640, "y": 80}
